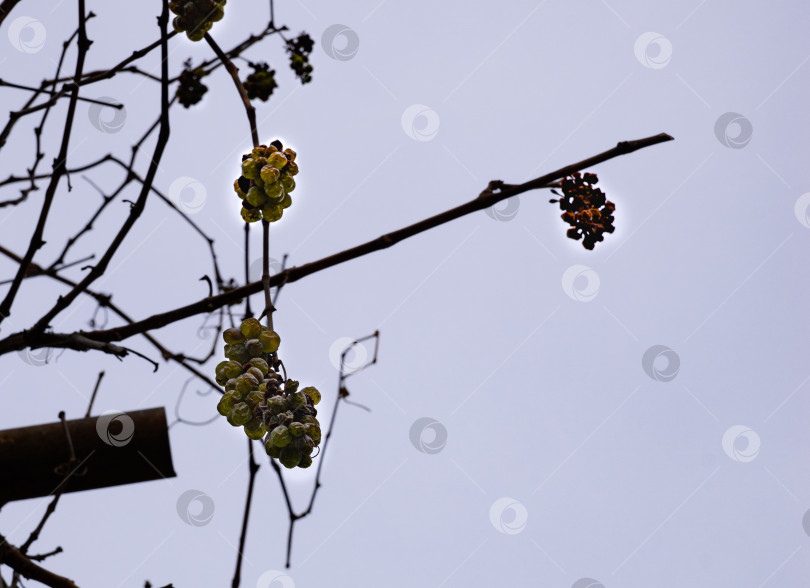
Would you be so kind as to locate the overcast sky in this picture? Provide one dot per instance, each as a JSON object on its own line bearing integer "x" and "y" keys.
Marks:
{"x": 630, "y": 416}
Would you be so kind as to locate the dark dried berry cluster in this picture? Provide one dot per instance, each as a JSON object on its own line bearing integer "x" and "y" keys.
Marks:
{"x": 191, "y": 89}
{"x": 261, "y": 83}
{"x": 587, "y": 210}
{"x": 195, "y": 17}
{"x": 299, "y": 50}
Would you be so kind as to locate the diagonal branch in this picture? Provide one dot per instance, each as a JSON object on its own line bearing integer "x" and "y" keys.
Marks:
{"x": 496, "y": 192}
{"x": 13, "y": 558}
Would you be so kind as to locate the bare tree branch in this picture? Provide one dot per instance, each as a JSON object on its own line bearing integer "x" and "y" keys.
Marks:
{"x": 494, "y": 193}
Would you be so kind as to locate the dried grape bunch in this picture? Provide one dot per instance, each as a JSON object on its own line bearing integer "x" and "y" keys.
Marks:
{"x": 266, "y": 182}
{"x": 195, "y": 17}
{"x": 257, "y": 399}
{"x": 299, "y": 50}
{"x": 191, "y": 89}
{"x": 261, "y": 83}
{"x": 586, "y": 208}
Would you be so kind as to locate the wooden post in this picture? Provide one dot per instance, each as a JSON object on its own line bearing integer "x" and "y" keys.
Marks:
{"x": 111, "y": 449}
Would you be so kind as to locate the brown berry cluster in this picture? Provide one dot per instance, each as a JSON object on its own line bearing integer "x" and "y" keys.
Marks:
{"x": 261, "y": 83}
{"x": 257, "y": 399}
{"x": 191, "y": 89}
{"x": 266, "y": 182}
{"x": 299, "y": 50}
{"x": 586, "y": 208}
{"x": 195, "y": 17}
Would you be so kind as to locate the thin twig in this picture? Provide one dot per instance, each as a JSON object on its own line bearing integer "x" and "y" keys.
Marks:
{"x": 253, "y": 468}
{"x": 234, "y": 71}
{"x": 93, "y": 397}
{"x": 59, "y": 167}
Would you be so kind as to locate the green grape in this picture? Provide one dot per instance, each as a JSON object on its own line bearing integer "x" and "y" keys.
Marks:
{"x": 255, "y": 429}
{"x": 272, "y": 212}
{"x": 250, "y": 328}
{"x": 297, "y": 400}
{"x": 260, "y": 163}
{"x": 274, "y": 192}
{"x": 251, "y": 215}
{"x": 296, "y": 429}
{"x": 291, "y": 386}
{"x": 304, "y": 444}
{"x": 271, "y": 449}
{"x": 290, "y": 154}
{"x": 230, "y": 385}
{"x": 269, "y": 174}
{"x": 305, "y": 462}
{"x": 276, "y": 404}
{"x": 287, "y": 183}
{"x": 270, "y": 341}
{"x": 309, "y": 420}
{"x": 285, "y": 418}
{"x": 249, "y": 169}
{"x": 238, "y": 190}
{"x": 256, "y": 197}
{"x": 232, "y": 370}
{"x": 313, "y": 431}
{"x": 260, "y": 365}
{"x": 260, "y": 151}
{"x": 277, "y": 160}
{"x": 313, "y": 393}
{"x": 233, "y": 335}
{"x": 245, "y": 383}
{"x": 254, "y": 398}
{"x": 281, "y": 436}
{"x": 240, "y": 414}
{"x": 254, "y": 348}
{"x": 286, "y": 202}
{"x": 256, "y": 373}
{"x": 177, "y": 24}
{"x": 220, "y": 377}
{"x": 290, "y": 457}
{"x": 292, "y": 169}
{"x": 226, "y": 403}
{"x": 238, "y": 353}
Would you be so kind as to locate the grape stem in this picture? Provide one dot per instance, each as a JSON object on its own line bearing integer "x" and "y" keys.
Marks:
{"x": 234, "y": 71}
{"x": 269, "y": 309}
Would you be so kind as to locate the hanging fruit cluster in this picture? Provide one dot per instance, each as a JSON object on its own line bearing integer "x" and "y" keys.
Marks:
{"x": 586, "y": 208}
{"x": 299, "y": 50}
{"x": 266, "y": 182}
{"x": 191, "y": 89}
{"x": 261, "y": 83}
{"x": 195, "y": 17}
{"x": 257, "y": 398}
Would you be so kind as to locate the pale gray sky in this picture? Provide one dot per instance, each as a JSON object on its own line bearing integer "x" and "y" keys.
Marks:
{"x": 565, "y": 464}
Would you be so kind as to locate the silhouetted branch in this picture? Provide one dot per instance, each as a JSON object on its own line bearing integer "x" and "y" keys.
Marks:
{"x": 494, "y": 193}
{"x": 253, "y": 468}
{"x": 59, "y": 167}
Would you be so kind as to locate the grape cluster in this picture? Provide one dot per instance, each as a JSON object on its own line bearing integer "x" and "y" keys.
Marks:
{"x": 586, "y": 208}
{"x": 299, "y": 50}
{"x": 191, "y": 89}
{"x": 195, "y": 17}
{"x": 266, "y": 182}
{"x": 257, "y": 398}
{"x": 261, "y": 83}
